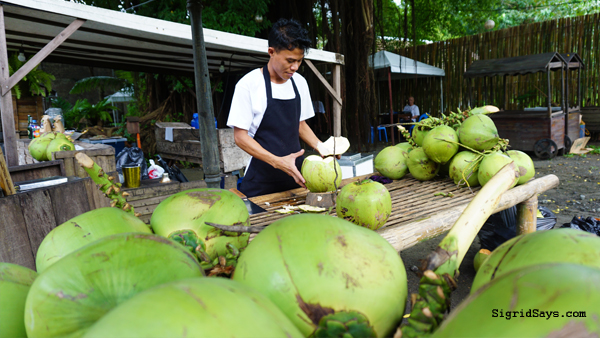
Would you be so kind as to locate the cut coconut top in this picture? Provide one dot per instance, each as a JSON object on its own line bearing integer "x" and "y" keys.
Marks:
{"x": 334, "y": 146}
{"x": 318, "y": 158}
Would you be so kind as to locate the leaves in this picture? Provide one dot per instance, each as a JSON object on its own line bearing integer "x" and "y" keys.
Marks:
{"x": 98, "y": 82}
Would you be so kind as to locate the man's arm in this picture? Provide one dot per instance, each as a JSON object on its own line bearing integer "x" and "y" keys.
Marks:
{"x": 308, "y": 136}
{"x": 285, "y": 163}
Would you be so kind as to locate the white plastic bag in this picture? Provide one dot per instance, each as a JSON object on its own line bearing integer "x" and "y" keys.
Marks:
{"x": 155, "y": 171}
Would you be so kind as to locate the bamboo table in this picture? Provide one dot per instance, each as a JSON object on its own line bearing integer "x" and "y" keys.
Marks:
{"x": 417, "y": 214}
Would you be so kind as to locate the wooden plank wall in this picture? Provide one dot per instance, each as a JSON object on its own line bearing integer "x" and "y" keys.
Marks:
{"x": 28, "y": 217}
{"x": 579, "y": 35}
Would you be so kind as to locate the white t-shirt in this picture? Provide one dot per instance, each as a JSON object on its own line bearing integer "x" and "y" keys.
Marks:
{"x": 414, "y": 110}
{"x": 249, "y": 101}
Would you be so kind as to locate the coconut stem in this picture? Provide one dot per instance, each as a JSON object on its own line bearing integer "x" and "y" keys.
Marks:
{"x": 237, "y": 228}
{"x": 106, "y": 183}
{"x": 441, "y": 266}
{"x": 347, "y": 324}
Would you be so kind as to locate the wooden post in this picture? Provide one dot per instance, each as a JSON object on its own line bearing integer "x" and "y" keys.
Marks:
{"x": 391, "y": 105}
{"x": 527, "y": 216}
{"x": 337, "y": 106}
{"x": 6, "y": 183}
{"x": 208, "y": 134}
{"x": 6, "y": 108}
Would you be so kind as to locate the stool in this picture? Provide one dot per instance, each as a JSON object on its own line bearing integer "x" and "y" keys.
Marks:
{"x": 371, "y": 138}
{"x": 380, "y": 128}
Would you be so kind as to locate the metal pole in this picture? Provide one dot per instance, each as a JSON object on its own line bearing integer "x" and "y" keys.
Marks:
{"x": 391, "y": 107}
{"x": 442, "y": 95}
{"x": 566, "y": 100}
{"x": 208, "y": 133}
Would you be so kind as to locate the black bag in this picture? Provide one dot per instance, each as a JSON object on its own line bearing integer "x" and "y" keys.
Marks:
{"x": 589, "y": 224}
{"x": 132, "y": 156}
{"x": 502, "y": 226}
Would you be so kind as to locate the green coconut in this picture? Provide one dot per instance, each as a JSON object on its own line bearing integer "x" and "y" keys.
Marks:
{"x": 420, "y": 166}
{"x": 548, "y": 300}
{"x": 76, "y": 291}
{"x": 58, "y": 144}
{"x": 366, "y": 203}
{"x": 478, "y": 132}
{"x": 391, "y": 162}
{"x": 406, "y": 148}
{"x": 418, "y": 135}
{"x": 524, "y": 165}
{"x": 82, "y": 230}
{"x": 320, "y": 173}
{"x": 463, "y": 166}
{"x": 480, "y": 257}
{"x": 197, "y": 307}
{"x": 440, "y": 144}
{"x": 186, "y": 213}
{"x": 326, "y": 273}
{"x": 15, "y": 282}
{"x": 490, "y": 165}
{"x": 38, "y": 146}
{"x": 550, "y": 246}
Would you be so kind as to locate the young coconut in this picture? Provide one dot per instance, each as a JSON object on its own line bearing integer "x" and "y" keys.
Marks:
{"x": 391, "y": 162}
{"x": 491, "y": 164}
{"x": 182, "y": 217}
{"x": 58, "y": 144}
{"x": 76, "y": 291}
{"x": 82, "y": 230}
{"x": 440, "y": 144}
{"x": 480, "y": 257}
{"x": 547, "y": 300}
{"x": 327, "y": 275}
{"x": 38, "y": 146}
{"x": 464, "y": 169}
{"x": 478, "y": 132}
{"x": 524, "y": 165}
{"x": 420, "y": 166}
{"x": 366, "y": 203}
{"x": 541, "y": 247}
{"x": 15, "y": 282}
{"x": 321, "y": 174}
{"x": 333, "y": 146}
{"x": 406, "y": 148}
{"x": 198, "y": 307}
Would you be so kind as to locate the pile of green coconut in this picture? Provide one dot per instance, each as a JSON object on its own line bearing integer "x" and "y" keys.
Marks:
{"x": 42, "y": 148}
{"x": 464, "y": 146}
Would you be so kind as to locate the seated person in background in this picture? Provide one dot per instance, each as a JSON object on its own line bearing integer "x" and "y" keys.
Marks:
{"x": 412, "y": 108}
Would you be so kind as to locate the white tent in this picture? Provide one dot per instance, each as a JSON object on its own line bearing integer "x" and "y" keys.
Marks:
{"x": 388, "y": 66}
{"x": 401, "y": 67}
{"x": 120, "y": 96}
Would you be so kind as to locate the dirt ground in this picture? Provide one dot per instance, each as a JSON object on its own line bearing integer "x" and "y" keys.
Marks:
{"x": 578, "y": 194}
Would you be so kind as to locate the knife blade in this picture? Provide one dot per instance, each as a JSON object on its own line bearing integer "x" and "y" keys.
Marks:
{"x": 251, "y": 206}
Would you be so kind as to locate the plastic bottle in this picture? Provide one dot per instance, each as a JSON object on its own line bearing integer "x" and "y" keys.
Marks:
{"x": 195, "y": 123}
{"x": 29, "y": 127}
{"x": 36, "y": 129}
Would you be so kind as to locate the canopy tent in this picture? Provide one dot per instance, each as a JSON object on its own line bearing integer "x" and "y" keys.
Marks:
{"x": 73, "y": 33}
{"x": 389, "y": 66}
{"x": 120, "y": 96}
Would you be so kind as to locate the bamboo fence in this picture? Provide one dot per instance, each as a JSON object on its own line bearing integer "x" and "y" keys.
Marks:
{"x": 577, "y": 35}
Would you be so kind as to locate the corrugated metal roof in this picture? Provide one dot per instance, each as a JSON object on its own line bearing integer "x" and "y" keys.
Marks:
{"x": 518, "y": 65}
{"x": 401, "y": 66}
{"x": 112, "y": 39}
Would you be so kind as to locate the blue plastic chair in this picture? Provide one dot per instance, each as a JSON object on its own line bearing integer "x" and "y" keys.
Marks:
{"x": 371, "y": 137}
{"x": 422, "y": 117}
{"x": 379, "y": 129}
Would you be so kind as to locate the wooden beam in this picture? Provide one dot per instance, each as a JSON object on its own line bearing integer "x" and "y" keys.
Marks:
{"x": 41, "y": 55}
{"x": 337, "y": 106}
{"x": 330, "y": 89}
{"x": 6, "y": 183}
{"x": 6, "y": 102}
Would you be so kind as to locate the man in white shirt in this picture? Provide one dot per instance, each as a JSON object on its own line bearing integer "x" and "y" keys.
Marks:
{"x": 269, "y": 112}
{"x": 412, "y": 107}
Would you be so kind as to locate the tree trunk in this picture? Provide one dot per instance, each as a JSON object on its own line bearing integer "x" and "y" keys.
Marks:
{"x": 405, "y": 24}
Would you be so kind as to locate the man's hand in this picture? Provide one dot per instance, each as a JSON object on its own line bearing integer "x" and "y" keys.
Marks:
{"x": 288, "y": 165}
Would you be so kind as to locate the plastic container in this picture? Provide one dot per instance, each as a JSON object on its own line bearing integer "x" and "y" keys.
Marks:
{"x": 195, "y": 123}
{"x": 35, "y": 128}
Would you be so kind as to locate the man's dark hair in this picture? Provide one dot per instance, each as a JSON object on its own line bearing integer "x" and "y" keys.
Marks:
{"x": 288, "y": 34}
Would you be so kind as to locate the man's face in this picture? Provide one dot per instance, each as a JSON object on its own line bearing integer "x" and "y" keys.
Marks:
{"x": 411, "y": 101}
{"x": 285, "y": 63}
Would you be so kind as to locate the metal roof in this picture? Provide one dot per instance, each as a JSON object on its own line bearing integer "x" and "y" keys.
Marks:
{"x": 518, "y": 65}
{"x": 401, "y": 66}
{"x": 117, "y": 40}
{"x": 573, "y": 60}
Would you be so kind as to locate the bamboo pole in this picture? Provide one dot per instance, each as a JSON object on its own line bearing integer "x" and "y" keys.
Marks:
{"x": 527, "y": 215}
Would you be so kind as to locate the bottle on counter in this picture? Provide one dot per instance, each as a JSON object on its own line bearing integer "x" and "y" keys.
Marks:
{"x": 36, "y": 129}
{"x": 29, "y": 127}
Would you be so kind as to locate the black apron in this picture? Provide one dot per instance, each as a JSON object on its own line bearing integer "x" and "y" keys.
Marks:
{"x": 278, "y": 133}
